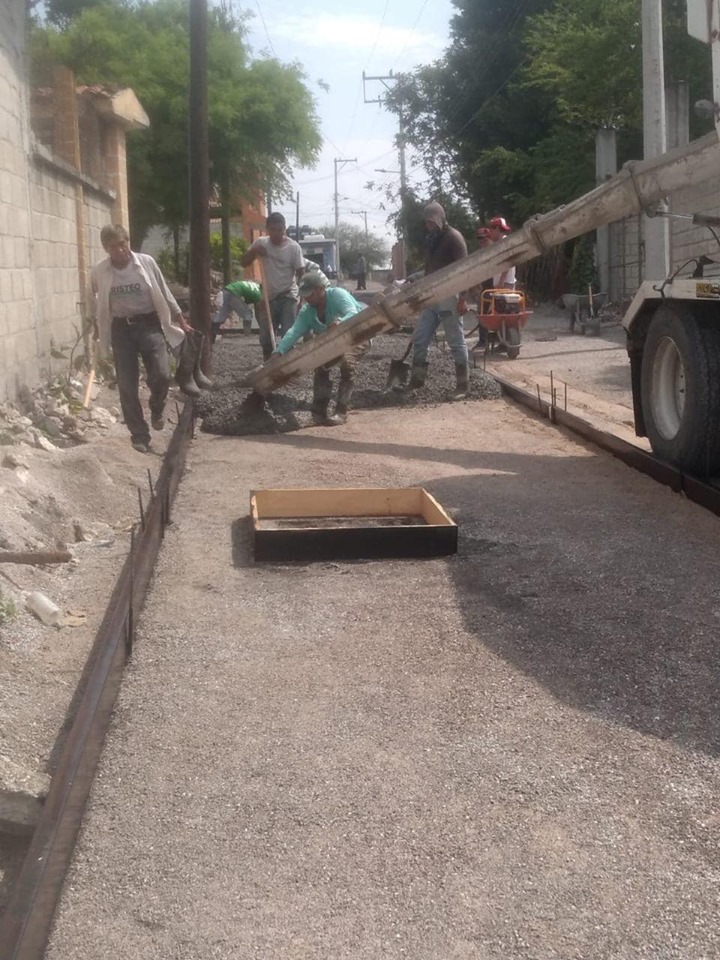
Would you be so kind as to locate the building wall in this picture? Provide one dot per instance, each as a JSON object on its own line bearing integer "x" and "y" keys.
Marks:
{"x": 686, "y": 240}
{"x": 18, "y": 341}
{"x": 40, "y": 289}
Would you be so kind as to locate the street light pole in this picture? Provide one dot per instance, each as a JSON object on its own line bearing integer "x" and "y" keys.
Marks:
{"x": 342, "y": 162}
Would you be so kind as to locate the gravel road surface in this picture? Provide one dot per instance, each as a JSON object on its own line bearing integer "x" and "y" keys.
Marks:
{"x": 510, "y": 753}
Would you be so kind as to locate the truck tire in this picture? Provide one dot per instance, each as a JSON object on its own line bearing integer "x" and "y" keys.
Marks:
{"x": 680, "y": 388}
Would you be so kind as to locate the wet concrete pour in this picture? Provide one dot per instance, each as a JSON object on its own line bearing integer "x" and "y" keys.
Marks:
{"x": 224, "y": 409}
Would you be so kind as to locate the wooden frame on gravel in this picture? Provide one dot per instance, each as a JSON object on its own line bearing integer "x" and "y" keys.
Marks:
{"x": 400, "y": 523}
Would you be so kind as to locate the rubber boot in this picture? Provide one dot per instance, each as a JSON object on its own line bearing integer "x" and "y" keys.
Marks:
{"x": 185, "y": 367}
{"x": 321, "y": 399}
{"x": 342, "y": 404}
{"x": 198, "y": 376}
{"x": 418, "y": 375}
{"x": 462, "y": 385}
{"x": 267, "y": 351}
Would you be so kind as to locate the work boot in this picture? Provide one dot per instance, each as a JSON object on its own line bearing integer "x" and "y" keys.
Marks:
{"x": 342, "y": 405}
{"x": 185, "y": 367}
{"x": 418, "y": 375}
{"x": 203, "y": 382}
{"x": 462, "y": 385}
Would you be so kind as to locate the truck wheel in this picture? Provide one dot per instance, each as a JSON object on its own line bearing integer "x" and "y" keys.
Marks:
{"x": 680, "y": 388}
{"x": 512, "y": 342}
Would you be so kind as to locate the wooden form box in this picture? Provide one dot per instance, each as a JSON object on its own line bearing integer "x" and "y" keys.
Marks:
{"x": 349, "y": 524}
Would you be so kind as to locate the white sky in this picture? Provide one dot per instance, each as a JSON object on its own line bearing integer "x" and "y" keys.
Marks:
{"x": 335, "y": 44}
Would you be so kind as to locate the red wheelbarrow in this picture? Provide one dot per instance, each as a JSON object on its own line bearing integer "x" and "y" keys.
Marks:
{"x": 503, "y": 314}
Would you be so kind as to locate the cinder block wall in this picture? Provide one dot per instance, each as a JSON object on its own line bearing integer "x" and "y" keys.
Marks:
{"x": 55, "y": 263}
{"x": 687, "y": 241}
{"x": 40, "y": 295}
{"x": 18, "y": 338}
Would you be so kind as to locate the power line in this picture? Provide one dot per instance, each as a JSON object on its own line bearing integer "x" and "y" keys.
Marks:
{"x": 412, "y": 30}
{"x": 267, "y": 34}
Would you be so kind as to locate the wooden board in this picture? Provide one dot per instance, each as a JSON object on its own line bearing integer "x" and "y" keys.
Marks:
{"x": 437, "y": 536}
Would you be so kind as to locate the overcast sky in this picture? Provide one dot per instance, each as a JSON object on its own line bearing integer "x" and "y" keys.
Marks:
{"x": 335, "y": 43}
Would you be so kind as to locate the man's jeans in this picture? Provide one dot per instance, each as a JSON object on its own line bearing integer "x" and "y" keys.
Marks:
{"x": 322, "y": 385}
{"x": 283, "y": 310}
{"x": 144, "y": 338}
{"x": 445, "y": 313}
{"x": 233, "y": 304}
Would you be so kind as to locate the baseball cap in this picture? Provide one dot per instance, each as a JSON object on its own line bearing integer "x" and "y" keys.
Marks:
{"x": 309, "y": 282}
{"x": 500, "y": 223}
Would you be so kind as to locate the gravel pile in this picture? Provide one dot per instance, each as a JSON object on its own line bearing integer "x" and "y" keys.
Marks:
{"x": 225, "y": 409}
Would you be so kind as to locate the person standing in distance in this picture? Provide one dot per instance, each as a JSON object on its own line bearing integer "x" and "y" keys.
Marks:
{"x": 283, "y": 264}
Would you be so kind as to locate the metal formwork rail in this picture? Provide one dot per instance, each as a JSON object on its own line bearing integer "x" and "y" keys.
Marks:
{"x": 703, "y": 492}
{"x": 27, "y": 920}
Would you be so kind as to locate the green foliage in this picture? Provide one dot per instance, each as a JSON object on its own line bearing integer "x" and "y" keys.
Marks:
{"x": 8, "y": 608}
{"x": 506, "y": 119}
{"x": 261, "y": 114}
{"x": 353, "y": 243}
{"x": 167, "y": 263}
{"x": 582, "y": 273}
{"x": 238, "y": 246}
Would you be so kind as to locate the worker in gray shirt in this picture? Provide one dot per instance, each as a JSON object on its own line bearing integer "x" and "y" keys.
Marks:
{"x": 282, "y": 263}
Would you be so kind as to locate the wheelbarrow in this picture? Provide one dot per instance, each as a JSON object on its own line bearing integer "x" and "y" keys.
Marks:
{"x": 584, "y": 310}
{"x": 503, "y": 314}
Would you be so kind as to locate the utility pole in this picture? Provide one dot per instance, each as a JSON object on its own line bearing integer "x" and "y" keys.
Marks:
{"x": 362, "y": 213}
{"x": 656, "y": 229}
{"x": 337, "y": 212}
{"x": 199, "y": 165}
{"x": 385, "y": 81}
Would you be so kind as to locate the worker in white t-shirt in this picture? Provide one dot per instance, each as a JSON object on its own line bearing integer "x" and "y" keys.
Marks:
{"x": 283, "y": 264}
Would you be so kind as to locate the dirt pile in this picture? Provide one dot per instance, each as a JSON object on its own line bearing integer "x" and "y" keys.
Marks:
{"x": 223, "y": 410}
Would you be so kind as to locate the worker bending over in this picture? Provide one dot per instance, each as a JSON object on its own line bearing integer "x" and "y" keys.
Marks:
{"x": 326, "y": 307}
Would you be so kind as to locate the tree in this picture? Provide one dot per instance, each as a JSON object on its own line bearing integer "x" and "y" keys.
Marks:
{"x": 507, "y": 117}
{"x": 261, "y": 115}
{"x": 354, "y": 243}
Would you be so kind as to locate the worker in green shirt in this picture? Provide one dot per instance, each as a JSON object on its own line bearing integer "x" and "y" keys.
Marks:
{"x": 325, "y": 307}
{"x": 237, "y": 298}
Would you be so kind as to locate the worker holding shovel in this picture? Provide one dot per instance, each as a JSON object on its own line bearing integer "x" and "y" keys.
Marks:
{"x": 325, "y": 307}
{"x": 282, "y": 263}
{"x": 445, "y": 245}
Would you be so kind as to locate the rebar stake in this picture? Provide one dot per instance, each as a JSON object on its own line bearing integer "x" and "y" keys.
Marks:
{"x": 131, "y": 599}
{"x": 142, "y": 509}
{"x": 150, "y": 484}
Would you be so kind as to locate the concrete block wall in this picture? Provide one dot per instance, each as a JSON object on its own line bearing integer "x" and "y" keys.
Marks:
{"x": 689, "y": 241}
{"x": 55, "y": 263}
{"x": 18, "y": 339}
{"x": 40, "y": 201}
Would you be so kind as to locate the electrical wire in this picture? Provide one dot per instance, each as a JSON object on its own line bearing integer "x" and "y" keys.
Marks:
{"x": 267, "y": 34}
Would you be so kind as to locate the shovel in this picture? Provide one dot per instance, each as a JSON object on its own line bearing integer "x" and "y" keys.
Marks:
{"x": 399, "y": 373}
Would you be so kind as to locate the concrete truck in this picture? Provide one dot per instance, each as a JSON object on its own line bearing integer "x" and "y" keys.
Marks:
{"x": 672, "y": 324}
